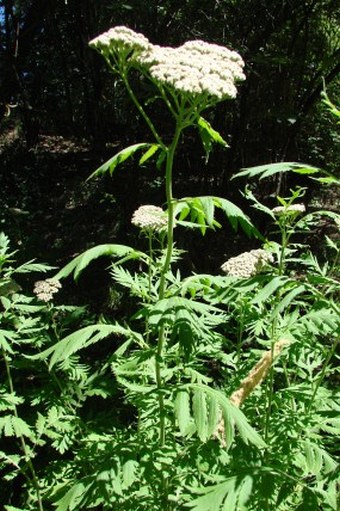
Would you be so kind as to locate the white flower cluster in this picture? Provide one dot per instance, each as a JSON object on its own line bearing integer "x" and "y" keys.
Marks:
{"x": 149, "y": 217}
{"x": 121, "y": 36}
{"x": 293, "y": 208}
{"x": 45, "y": 289}
{"x": 247, "y": 264}
{"x": 196, "y": 67}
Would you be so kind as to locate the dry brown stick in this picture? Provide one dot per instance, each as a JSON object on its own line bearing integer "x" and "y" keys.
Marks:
{"x": 254, "y": 378}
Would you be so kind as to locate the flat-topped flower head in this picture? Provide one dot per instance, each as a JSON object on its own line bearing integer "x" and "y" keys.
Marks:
{"x": 150, "y": 217}
{"x": 196, "y": 67}
{"x": 120, "y": 38}
{"x": 293, "y": 208}
{"x": 247, "y": 264}
{"x": 45, "y": 289}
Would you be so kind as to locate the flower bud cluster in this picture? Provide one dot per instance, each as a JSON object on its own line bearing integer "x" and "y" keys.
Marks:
{"x": 196, "y": 67}
{"x": 121, "y": 36}
{"x": 149, "y": 217}
{"x": 45, "y": 289}
{"x": 247, "y": 264}
{"x": 293, "y": 208}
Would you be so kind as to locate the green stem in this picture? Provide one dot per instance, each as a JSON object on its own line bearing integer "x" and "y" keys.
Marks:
{"x": 240, "y": 333}
{"x": 142, "y": 111}
{"x": 162, "y": 285}
{"x": 270, "y": 380}
{"x": 284, "y": 244}
{"x": 269, "y": 394}
{"x": 270, "y": 383}
{"x": 150, "y": 264}
{"x": 149, "y": 300}
{"x": 28, "y": 460}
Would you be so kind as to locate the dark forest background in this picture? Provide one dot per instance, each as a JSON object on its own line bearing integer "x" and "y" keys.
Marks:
{"x": 62, "y": 113}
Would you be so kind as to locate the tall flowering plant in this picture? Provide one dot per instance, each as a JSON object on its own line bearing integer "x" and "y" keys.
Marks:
{"x": 189, "y": 79}
{"x": 159, "y": 365}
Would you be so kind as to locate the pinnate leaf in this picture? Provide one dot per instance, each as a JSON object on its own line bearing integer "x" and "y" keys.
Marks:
{"x": 270, "y": 169}
{"x": 117, "y": 159}
{"x": 81, "y": 339}
{"x": 79, "y": 263}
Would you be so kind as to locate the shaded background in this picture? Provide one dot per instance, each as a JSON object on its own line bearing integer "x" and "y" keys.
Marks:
{"x": 63, "y": 114}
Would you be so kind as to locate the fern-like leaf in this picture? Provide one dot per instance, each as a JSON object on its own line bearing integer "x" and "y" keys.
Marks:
{"x": 120, "y": 157}
{"x": 263, "y": 171}
{"x": 201, "y": 210}
{"x": 231, "y": 495}
{"x": 82, "y": 339}
{"x": 72, "y": 498}
{"x": 79, "y": 263}
{"x": 208, "y": 405}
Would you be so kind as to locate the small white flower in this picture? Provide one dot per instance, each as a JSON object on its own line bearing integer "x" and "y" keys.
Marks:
{"x": 293, "y": 208}
{"x": 247, "y": 264}
{"x": 149, "y": 217}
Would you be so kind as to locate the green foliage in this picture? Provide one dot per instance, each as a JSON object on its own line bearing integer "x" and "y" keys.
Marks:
{"x": 230, "y": 495}
{"x": 277, "y": 452}
{"x": 81, "y": 339}
{"x": 209, "y": 136}
{"x": 79, "y": 263}
{"x": 124, "y": 155}
{"x": 264, "y": 171}
{"x": 208, "y": 407}
{"x": 201, "y": 211}
{"x": 38, "y": 411}
{"x": 332, "y": 108}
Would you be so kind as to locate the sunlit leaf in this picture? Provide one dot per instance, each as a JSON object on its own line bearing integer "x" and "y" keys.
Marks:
{"x": 21, "y": 428}
{"x": 270, "y": 169}
{"x": 79, "y": 263}
{"x": 129, "y": 473}
{"x": 269, "y": 289}
{"x": 231, "y": 495}
{"x": 79, "y": 340}
{"x": 149, "y": 153}
{"x": 201, "y": 210}
{"x": 72, "y": 498}
{"x": 182, "y": 411}
{"x": 119, "y": 158}
{"x": 287, "y": 300}
{"x": 209, "y": 136}
{"x": 199, "y": 407}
